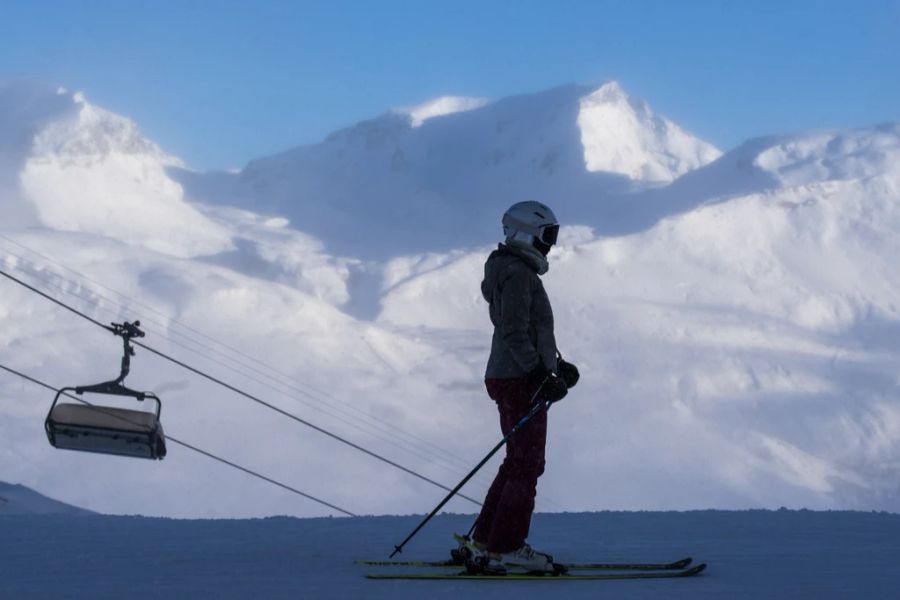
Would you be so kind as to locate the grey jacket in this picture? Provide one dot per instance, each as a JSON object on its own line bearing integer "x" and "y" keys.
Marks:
{"x": 521, "y": 314}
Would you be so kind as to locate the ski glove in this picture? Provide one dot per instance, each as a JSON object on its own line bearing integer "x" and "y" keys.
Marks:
{"x": 568, "y": 372}
{"x": 553, "y": 390}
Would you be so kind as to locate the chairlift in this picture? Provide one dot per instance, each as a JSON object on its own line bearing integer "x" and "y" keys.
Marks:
{"x": 105, "y": 429}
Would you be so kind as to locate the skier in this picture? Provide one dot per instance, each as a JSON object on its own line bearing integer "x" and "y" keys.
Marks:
{"x": 524, "y": 367}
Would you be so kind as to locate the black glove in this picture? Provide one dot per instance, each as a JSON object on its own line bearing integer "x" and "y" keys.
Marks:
{"x": 568, "y": 372}
{"x": 553, "y": 390}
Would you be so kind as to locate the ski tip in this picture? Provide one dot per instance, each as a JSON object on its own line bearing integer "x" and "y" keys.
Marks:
{"x": 695, "y": 570}
{"x": 680, "y": 564}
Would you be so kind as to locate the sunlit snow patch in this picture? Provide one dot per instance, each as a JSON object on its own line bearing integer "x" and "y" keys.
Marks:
{"x": 438, "y": 107}
{"x": 90, "y": 170}
{"x": 623, "y": 135}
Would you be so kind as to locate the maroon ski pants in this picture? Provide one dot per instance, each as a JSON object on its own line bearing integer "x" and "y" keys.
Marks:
{"x": 505, "y": 516}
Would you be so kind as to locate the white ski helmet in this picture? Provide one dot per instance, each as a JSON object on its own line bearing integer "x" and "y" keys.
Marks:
{"x": 533, "y": 223}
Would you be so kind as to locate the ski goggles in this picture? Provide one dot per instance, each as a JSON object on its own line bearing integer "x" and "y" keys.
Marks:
{"x": 549, "y": 234}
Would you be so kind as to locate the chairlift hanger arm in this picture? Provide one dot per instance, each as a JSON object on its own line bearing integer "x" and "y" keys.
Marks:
{"x": 126, "y": 331}
{"x": 115, "y": 387}
{"x": 112, "y": 388}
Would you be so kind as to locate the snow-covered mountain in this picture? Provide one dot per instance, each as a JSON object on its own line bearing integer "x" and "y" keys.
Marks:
{"x": 433, "y": 177}
{"x": 737, "y": 327}
{"x": 72, "y": 166}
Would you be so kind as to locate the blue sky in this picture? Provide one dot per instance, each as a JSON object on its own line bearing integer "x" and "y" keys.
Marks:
{"x": 221, "y": 82}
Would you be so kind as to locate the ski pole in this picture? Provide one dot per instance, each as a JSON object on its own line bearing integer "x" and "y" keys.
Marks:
{"x": 534, "y": 410}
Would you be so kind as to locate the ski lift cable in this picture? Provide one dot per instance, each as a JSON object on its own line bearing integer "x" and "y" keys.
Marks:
{"x": 361, "y": 420}
{"x": 374, "y": 432}
{"x": 241, "y": 392}
{"x": 482, "y": 480}
{"x": 419, "y": 444}
{"x": 195, "y": 448}
{"x": 410, "y": 446}
{"x": 298, "y": 419}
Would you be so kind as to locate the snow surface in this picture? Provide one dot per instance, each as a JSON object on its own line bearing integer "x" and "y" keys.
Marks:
{"x": 751, "y": 554}
{"x": 737, "y": 329}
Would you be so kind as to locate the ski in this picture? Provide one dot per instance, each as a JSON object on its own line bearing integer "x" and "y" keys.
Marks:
{"x": 539, "y": 577}
{"x": 672, "y": 566}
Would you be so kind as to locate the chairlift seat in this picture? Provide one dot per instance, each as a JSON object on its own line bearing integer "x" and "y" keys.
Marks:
{"x": 106, "y": 430}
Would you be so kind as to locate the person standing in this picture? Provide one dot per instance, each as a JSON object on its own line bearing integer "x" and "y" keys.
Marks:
{"x": 524, "y": 367}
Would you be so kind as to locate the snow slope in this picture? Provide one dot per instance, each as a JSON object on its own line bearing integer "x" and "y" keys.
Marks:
{"x": 737, "y": 328}
{"x": 269, "y": 338}
{"x": 760, "y": 329}
{"x": 753, "y": 554}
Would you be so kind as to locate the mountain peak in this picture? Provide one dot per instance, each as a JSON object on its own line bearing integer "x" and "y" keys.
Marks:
{"x": 621, "y": 134}
{"x": 93, "y": 132}
{"x": 70, "y": 165}
{"x": 610, "y": 91}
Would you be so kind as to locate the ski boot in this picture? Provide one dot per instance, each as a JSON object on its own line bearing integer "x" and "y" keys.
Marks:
{"x": 523, "y": 560}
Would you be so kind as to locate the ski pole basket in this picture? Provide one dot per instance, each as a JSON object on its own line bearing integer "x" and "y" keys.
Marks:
{"x": 105, "y": 429}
